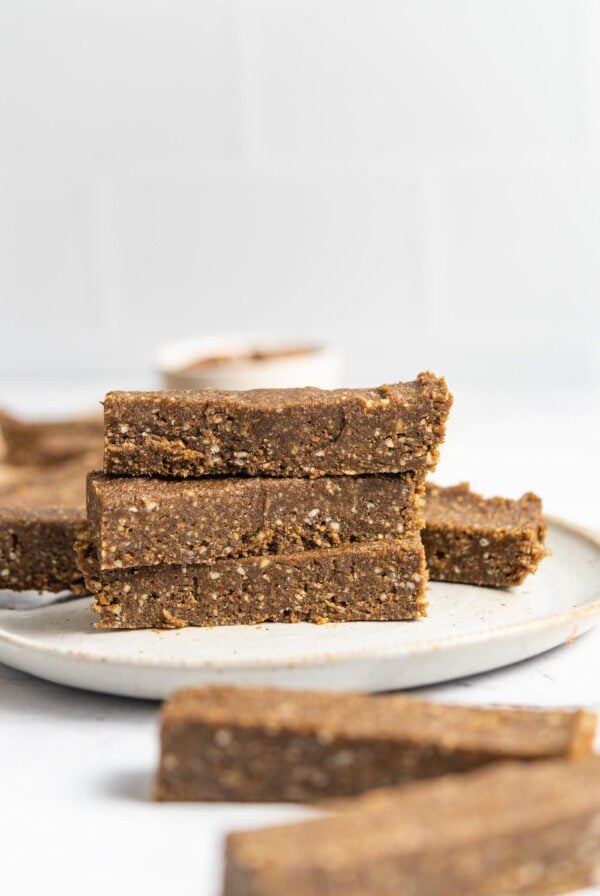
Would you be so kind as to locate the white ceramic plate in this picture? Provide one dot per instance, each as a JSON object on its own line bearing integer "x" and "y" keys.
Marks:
{"x": 468, "y": 630}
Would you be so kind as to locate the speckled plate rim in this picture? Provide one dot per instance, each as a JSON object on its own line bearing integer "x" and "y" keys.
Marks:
{"x": 589, "y": 608}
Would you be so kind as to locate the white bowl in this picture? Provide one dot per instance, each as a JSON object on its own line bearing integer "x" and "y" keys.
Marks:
{"x": 319, "y": 366}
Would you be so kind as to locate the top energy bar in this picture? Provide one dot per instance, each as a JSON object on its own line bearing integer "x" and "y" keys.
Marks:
{"x": 276, "y": 432}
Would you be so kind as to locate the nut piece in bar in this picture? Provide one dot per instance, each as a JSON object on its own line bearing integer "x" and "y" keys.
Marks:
{"x": 43, "y": 443}
{"x": 276, "y": 432}
{"x": 381, "y": 581}
{"x": 481, "y": 541}
{"x": 40, "y": 519}
{"x": 510, "y": 828}
{"x": 144, "y": 522}
{"x": 264, "y": 744}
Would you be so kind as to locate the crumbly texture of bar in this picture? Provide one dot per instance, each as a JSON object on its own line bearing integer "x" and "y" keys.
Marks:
{"x": 144, "y": 522}
{"x": 264, "y": 744}
{"x": 481, "y": 541}
{"x": 48, "y": 442}
{"x": 382, "y": 581}
{"x": 276, "y": 432}
{"x": 510, "y": 828}
{"x": 36, "y": 550}
{"x": 41, "y": 517}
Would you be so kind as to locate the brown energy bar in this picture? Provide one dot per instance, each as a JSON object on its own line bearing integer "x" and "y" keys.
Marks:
{"x": 381, "y": 581}
{"x": 47, "y": 442}
{"x": 40, "y": 519}
{"x": 264, "y": 744}
{"x": 276, "y": 432}
{"x": 511, "y": 829}
{"x": 144, "y": 522}
{"x": 566, "y": 878}
{"x": 481, "y": 541}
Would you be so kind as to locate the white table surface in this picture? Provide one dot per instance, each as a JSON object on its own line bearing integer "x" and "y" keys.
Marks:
{"x": 75, "y": 767}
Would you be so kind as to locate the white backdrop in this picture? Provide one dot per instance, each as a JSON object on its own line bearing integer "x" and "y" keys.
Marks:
{"x": 418, "y": 181}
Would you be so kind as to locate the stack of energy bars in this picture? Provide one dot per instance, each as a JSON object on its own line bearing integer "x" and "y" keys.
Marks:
{"x": 280, "y": 505}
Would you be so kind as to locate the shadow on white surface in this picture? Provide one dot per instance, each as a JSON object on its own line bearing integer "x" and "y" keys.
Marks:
{"x": 30, "y": 600}
{"x": 131, "y": 785}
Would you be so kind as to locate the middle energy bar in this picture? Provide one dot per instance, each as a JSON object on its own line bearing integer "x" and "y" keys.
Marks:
{"x": 146, "y": 522}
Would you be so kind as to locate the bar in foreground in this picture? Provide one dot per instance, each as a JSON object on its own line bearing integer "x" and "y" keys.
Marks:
{"x": 271, "y": 745}
{"x": 515, "y": 829}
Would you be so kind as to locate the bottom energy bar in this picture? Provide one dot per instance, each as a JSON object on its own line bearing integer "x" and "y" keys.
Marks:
{"x": 373, "y": 582}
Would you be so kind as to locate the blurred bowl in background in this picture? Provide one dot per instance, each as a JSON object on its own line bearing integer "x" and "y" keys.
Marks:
{"x": 248, "y": 362}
